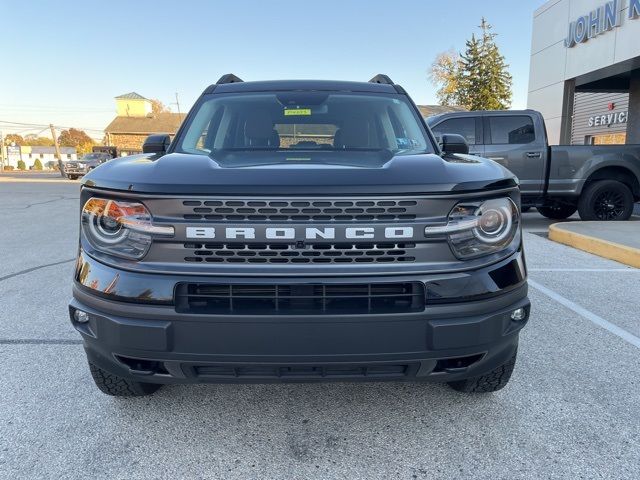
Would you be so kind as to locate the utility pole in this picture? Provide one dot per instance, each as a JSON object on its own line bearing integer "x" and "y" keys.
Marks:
{"x": 177, "y": 104}
{"x": 55, "y": 142}
{"x": 1, "y": 152}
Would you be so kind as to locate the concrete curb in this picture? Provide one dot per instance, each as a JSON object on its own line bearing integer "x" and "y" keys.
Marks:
{"x": 603, "y": 248}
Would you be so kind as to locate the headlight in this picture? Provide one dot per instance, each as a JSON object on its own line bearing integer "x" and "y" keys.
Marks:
{"x": 123, "y": 229}
{"x": 477, "y": 229}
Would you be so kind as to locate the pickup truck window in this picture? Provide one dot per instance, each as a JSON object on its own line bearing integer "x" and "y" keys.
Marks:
{"x": 511, "y": 130}
{"x": 325, "y": 121}
{"x": 465, "y": 126}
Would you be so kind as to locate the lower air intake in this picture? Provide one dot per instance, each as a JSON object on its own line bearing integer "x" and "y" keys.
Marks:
{"x": 305, "y": 372}
{"x": 299, "y": 299}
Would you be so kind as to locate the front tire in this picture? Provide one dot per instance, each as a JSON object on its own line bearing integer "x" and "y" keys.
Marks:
{"x": 117, "y": 386}
{"x": 72, "y": 177}
{"x": 558, "y": 212}
{"x": 493, "y": 381}
{"x": 606, "y": 200}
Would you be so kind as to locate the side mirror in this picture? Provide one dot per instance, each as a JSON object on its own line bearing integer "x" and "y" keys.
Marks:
{"x": 157, "y": 144}
{"x": 452, "y": 143}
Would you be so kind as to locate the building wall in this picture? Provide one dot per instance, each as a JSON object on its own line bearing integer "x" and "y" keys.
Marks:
{"x": 129, "y": 142}
{"x": 133, "y": 108}
{"x": 589, "y": 110}
{"x": 126, "y": 141}
{"x": 29, "y": 158}
{"x": 552, "y": 63}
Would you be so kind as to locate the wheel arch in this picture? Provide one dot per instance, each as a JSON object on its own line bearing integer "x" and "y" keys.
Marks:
{"x": 618, "y": 173}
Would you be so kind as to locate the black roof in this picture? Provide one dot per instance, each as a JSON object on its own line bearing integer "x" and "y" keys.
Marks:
{"x": 287, "y": 85}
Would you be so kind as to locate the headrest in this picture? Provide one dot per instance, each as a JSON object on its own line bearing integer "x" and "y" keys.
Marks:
{"x": 353, "y": 133}
{"x": 259, "y": 125}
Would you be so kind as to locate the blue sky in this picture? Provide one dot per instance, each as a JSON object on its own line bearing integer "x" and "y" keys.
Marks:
{"x": 63, "y": 62}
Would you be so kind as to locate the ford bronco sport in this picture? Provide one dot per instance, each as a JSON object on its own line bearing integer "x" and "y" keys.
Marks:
{"x": 300, "y": 231}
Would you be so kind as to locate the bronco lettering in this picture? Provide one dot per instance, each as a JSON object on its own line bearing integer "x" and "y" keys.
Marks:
{"x": 307, "y": 233}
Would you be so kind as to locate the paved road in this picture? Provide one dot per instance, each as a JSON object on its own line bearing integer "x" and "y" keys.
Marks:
{"x": 571, "y": 410}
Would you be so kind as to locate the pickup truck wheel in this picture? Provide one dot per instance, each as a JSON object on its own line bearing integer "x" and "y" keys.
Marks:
{"x": 72, "y": 177}
{"x": 491, "y": 382}
{"x": 606, "y": 200}
{"x": 120, "y": 387}
{"x": 558, "y": 212}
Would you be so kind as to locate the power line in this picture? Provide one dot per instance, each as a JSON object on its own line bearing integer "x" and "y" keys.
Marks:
{"x": 42, "y": 125}
{"x": 44, "y": 108}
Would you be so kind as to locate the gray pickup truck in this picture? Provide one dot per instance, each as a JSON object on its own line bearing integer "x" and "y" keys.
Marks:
{"x": 601, "y": 182}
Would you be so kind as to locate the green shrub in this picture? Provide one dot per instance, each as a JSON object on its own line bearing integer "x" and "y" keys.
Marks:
{"x": 21, "y": 165}
{"x": 37, "y": 165}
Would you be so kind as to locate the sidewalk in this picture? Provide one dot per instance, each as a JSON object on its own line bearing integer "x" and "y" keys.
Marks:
{"x": 31, "y": 176}
{"x": 619, "y": 241}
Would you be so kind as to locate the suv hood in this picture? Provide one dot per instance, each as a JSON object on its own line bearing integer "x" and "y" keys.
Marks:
{"x": 299, "y": 173}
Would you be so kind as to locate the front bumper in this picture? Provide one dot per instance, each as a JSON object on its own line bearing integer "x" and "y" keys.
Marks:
{"x": 75, "y": 171}
{"x": 446, "y": 341}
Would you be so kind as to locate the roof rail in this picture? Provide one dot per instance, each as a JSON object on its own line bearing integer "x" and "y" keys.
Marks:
{"x": 228, "y": 78}
{"x": 381, "y": 78}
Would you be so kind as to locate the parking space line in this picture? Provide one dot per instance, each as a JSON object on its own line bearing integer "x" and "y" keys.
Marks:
{"x": 583, "y": 312}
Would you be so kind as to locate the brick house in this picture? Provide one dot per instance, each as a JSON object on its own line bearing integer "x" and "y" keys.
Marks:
{"x": 135, "y": 122}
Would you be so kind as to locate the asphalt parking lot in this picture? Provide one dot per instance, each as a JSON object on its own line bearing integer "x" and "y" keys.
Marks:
{"x": 572, "y": 409}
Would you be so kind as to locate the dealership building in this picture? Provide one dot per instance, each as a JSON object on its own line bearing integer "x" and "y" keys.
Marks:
{"x": 585, "y": 70}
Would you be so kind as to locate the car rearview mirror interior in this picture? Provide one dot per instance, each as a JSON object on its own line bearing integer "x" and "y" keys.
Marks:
{"x": 452, "y": 143}
{"x": 156, "y": 144}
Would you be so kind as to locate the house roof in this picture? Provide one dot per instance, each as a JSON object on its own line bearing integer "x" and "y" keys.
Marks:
{"x": 50, "y": 150}
{"x": 131, "y": 96}
{"x": 167, "y": 122}
{"x": 430, "y": 110}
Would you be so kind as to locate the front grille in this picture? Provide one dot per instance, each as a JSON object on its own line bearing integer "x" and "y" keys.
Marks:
{"x": 306, "y": 371}
{"x": 259, "y": 249}
{"x": 289, "y": 253}
{"x": 304, "y": 299}
{"x": 300, "y": 210}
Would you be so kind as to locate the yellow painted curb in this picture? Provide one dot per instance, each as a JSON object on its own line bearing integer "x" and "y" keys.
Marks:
{"x": 603, "y": 248}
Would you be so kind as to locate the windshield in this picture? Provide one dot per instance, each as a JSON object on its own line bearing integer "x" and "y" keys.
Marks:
{"x": 94, "y": 156}
{"x": 327, "y": 122}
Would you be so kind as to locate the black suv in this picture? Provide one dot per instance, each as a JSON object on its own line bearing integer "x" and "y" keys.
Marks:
{"x": 300, "y": 231}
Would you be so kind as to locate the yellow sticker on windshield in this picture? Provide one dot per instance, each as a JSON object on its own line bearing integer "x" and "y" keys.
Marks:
{"x": 297, "y": 111}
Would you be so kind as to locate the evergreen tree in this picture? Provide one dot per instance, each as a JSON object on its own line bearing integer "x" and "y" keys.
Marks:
{"x": 485, "y": 81}
{"x": 477, "y": 80}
